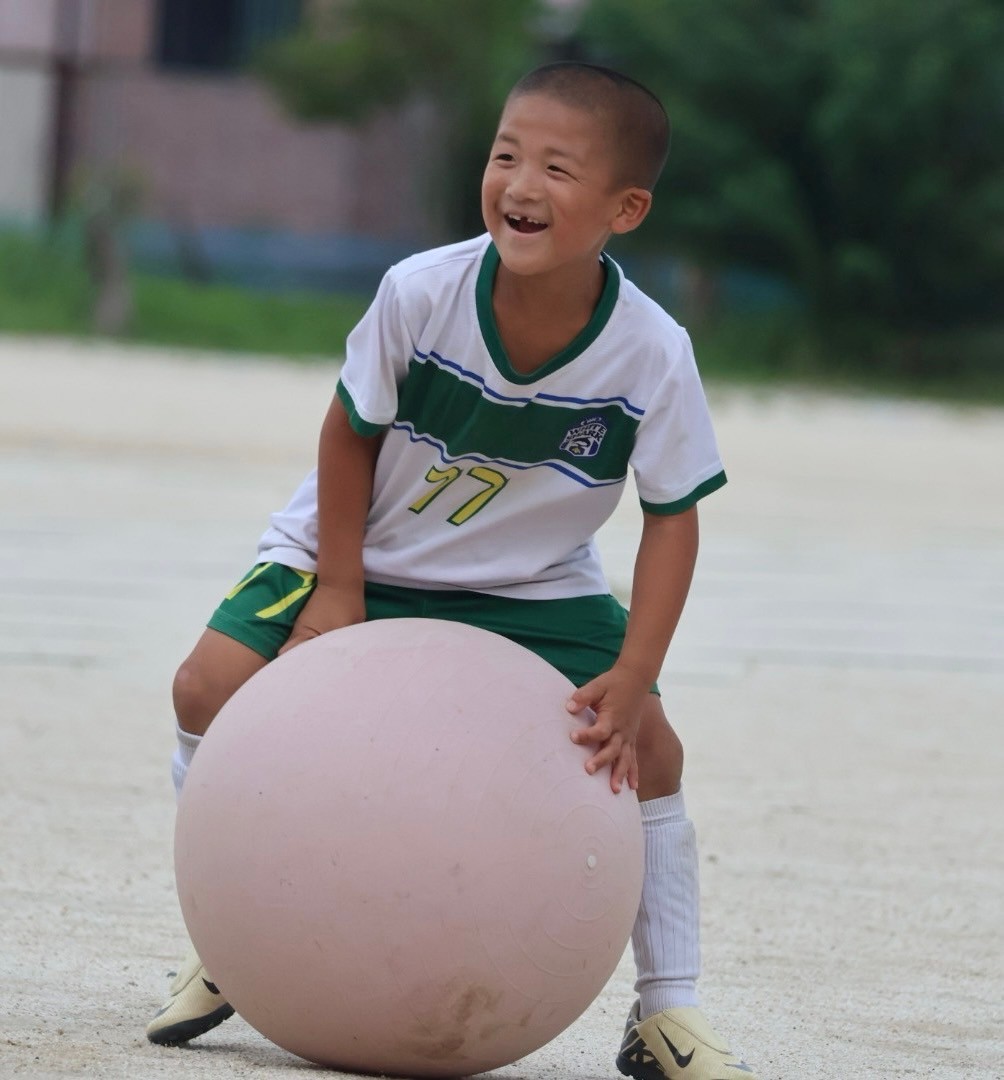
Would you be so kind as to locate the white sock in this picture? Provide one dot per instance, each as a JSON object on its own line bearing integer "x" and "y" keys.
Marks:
{"x": 183, "y": 754}
{"x": 667, "y": 934}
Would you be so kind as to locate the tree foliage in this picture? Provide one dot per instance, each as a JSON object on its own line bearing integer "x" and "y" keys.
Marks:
{"x": 854, "y": 147}
{"x": 371, "y": 54}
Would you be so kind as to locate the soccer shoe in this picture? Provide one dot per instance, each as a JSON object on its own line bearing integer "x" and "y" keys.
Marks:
{"x": 677, "y": 1044}
{"x": 194, "y": 1005}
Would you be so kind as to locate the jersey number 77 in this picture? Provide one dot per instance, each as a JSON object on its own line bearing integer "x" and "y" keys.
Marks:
{"x": 440, "y": 479}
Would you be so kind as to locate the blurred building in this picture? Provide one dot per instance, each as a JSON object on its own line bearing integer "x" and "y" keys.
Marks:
{"x": 155, "y": 90}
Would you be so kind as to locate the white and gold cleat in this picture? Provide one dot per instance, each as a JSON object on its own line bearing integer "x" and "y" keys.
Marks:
{"x": 677, "y": 1044}
{"x": 194, "y": 1006}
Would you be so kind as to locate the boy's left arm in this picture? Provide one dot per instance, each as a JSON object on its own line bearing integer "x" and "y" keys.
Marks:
{"x": 662, "y": 575}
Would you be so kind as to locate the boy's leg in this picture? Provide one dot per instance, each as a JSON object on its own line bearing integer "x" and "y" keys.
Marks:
{"x": 666, "y": 935}
{"x": 245, "y": 633}
{"x": 215, "y": 669}
{"x": 209, "y": 676}
{"x": 666, "y": 1033}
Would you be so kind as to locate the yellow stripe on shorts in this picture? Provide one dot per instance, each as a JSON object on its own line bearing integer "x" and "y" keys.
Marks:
{"x": 290, "y": 599}
{"x": 245, "y": 581}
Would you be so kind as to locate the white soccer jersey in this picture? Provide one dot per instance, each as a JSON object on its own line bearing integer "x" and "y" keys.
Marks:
{"x": 495, "y": 481}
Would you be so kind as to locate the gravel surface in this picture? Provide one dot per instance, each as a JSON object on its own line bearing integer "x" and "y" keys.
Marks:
{"x": 838, "y": 681}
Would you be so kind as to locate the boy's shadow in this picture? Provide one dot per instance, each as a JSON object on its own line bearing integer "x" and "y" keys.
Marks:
{"x": 263, "y": 1054}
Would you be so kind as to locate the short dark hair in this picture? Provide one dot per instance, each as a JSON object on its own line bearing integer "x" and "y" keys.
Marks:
{"x": 636, "y": 117}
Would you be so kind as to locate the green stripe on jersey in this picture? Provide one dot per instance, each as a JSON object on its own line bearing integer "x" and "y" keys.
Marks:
{"x": 438, "y": 403}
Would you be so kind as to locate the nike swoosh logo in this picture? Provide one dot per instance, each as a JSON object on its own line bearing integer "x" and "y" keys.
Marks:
{"x": 683, "y": 1060}
{"x": 211, "y": 987}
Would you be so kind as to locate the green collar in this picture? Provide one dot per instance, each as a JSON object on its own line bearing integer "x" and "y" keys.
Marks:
{"x": 589, "y": 333}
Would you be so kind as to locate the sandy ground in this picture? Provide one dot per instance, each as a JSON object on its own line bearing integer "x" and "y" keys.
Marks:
{"x": 838, "y": 681}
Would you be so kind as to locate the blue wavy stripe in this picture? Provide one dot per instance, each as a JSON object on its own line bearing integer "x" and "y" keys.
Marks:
{"x": 579, "y": 478}
{"x": 473, "y": 376}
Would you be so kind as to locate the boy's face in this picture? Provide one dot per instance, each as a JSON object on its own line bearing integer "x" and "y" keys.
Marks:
{"x": 550, "y": 196}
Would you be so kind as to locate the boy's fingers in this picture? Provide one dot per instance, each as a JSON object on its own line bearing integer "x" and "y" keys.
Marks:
{"x": 618, "y": 771}
{"x": 597, "y": 732}
{"x": 633, "y": 773}
{"x": 297, "y": 638}
{"x": 581, "y": 699}
{"x": 606, "y": 755}
{"x": 624, "y": 769}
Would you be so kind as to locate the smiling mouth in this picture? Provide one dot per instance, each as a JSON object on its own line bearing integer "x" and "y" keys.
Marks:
{"x": 524, "y": 224}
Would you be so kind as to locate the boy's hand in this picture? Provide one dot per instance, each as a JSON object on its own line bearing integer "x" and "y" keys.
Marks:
{"x": 617, "y": 697}
{"x": 327, "y": 609}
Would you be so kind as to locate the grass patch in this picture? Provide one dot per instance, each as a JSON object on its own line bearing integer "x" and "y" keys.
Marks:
{"x": 43, "y": 285}
{"x": 174, "y": 312}
{"x": 761, "y": 348}
{"x": 781, "y": 347}
{"x": 44, "y": 289}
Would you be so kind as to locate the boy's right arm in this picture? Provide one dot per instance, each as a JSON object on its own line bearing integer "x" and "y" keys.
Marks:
{"x": 345, "y": 465}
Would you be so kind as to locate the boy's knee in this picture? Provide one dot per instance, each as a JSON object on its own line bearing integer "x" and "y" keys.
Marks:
{"x": 215, "y": 669}
{"x": 193, "y": 694}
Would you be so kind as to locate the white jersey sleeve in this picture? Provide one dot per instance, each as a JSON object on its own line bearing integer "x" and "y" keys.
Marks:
{"x": 377, "y": 353}
{"x": 675, "y": 458}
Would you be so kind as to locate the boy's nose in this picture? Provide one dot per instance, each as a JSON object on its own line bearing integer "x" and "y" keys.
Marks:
{"x": 523, "y": 184}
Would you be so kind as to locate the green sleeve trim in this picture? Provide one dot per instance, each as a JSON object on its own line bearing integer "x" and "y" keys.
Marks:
{"x": 359, "y": 425}
{"x": 688, "y": 500}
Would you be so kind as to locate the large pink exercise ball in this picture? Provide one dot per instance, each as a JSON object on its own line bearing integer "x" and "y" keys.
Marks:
{"x": 390, "y": 856}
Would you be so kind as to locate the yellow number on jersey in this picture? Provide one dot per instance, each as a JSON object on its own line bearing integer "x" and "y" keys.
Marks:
{"x": 442, "y": 478}
{"x": 495, "y": 483}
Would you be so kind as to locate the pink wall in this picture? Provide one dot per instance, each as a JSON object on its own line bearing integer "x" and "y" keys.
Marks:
{"x": 27, "y": 25}
{"x": 219, "y": 151}
{"x": 117, "y": 29}
{"x": 211, "y": 150}
{"x": 89, "y": 29}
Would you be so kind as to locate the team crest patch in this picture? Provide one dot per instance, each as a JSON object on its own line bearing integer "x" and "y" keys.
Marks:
{"x": 583, "y": 440}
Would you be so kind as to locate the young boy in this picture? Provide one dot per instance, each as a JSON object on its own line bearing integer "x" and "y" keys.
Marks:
{"x": 492, "y": 400}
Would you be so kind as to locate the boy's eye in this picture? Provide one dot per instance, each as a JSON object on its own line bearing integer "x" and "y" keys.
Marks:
{"x": 504, "y": 157}
{"x": 555, "y": 169}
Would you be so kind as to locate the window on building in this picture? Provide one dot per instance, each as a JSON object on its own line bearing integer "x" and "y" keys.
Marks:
{"x": 220, "y": 35}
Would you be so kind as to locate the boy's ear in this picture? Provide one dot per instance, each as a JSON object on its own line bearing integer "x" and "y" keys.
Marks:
{"x": 635, "y": 205}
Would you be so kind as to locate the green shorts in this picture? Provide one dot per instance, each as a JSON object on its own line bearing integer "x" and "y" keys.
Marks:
{"x": 581, "y": 636}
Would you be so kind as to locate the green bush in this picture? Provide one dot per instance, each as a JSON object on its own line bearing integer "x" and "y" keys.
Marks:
{"x": 44, "y": 289}
{"x": 43, "y": 284}
{"x": 175, "y": 312}
{"x": 854, "y": 148}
